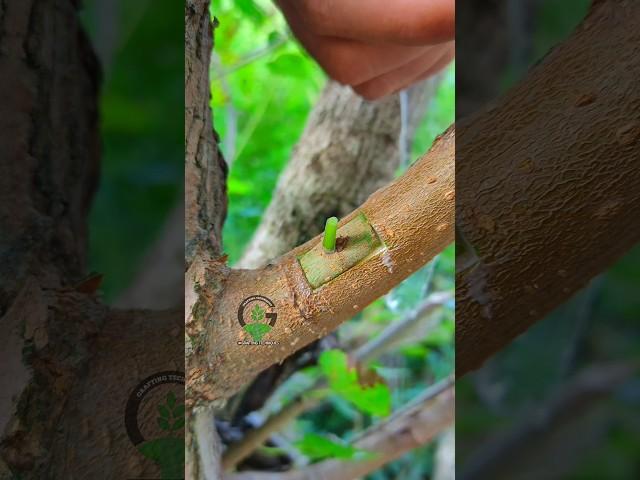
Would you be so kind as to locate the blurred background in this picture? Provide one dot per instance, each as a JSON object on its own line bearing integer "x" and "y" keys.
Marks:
{"x": 562, "y": 401}
{"x": 264, "y": 87}
{"x": 141, "y": 48}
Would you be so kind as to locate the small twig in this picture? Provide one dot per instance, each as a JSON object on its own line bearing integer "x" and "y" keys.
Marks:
{"x": 252, "y": 57}
{"x": 254, "y": 438}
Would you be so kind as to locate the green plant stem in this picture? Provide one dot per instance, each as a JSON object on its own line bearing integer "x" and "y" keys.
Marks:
{"x": 330, "y": 228}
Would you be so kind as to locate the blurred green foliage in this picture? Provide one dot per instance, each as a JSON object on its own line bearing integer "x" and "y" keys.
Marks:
{"x": 141, "y": 45}
{"x": 263, "y": 87}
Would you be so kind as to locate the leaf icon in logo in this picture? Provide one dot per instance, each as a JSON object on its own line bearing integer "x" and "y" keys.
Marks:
{"x": 257, "y": 330}
{"x": 257, "y": 313}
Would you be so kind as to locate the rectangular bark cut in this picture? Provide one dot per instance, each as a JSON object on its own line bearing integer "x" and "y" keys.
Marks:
{"x": 356, "y": 241}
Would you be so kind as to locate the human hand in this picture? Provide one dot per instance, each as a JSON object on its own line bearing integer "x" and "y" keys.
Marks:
{"x": 378, "y": 47}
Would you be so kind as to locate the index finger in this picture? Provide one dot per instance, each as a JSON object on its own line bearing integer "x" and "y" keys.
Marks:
{"x": 410, "y": 22}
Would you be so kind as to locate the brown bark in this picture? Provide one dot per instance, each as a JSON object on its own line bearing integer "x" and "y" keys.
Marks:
{"x": 48, "y": 173}
{"x": 67, "y": 363}
{"x": 407, "y": 429}
{"x": 205, "y": 169}
{"x": 49, "y": 143}
{"x": 205, "y": 211}
{"x": 548, "y": 184}
{"x": 413, "y": 219}
{"x": 349, "y": 149}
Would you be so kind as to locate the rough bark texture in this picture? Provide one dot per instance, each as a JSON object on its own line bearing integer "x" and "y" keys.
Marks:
{"x": 406, "y": 430}
{"x": 48, "y": 173}
{"x": 548, "y": 184}
{"x": 349, "y": 149}
{"x": 413, "y": 219}
{"x": 65, "y": 366}
{"x": 49, "y": 143}
{"x": 205, "y": 211}
{"x": 205, "y": 169}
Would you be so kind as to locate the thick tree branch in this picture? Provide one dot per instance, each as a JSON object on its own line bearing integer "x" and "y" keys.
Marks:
{"x": 548, "y": 184}
{"x": 413, "y": 219}
{"x": 407, "y": 429}
{"x": 349, "y": 148}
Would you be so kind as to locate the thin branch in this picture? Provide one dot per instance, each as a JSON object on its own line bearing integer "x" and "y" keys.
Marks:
{"x": 413, "y": 426}
{"x": 398, "y": 331}
{"x": 540, "y": 426}
{"x": 255, "y": 438}
{"x": 252, "y": 57}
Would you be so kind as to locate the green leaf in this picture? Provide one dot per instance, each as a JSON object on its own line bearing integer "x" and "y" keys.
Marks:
{"x": 257, "y": 330}
{"x": 317, "y": 447}
{"x": 163, "y": 423}
{"x": 257, "y": 313}
{"x": 163, "y": 411}
{"x": 171, "y": 399}
{"x": 375, "y": 399}
{"x": 178, "y": 411}
{"x": 178, "y": 424}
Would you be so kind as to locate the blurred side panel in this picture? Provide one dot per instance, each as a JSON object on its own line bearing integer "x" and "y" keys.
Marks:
{"x": 548, "y": 225}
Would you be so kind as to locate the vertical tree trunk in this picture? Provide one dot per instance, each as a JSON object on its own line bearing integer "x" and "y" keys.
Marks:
{"x": 206, "y": 200}
{"x": 48, "y": 173}
{"x": 67, "y": 363}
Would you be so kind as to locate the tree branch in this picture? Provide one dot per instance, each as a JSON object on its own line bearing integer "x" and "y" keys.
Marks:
{"x": 349, "y": 149}
{"x": 540, "y": 427}
{"x": 548, "y": 184}
{"x": 409, "y": 428}
{"x": 413, "y": 220}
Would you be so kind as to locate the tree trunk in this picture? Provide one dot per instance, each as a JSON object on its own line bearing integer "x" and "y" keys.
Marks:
{"x": 68, "y": 364}
{"x": 205, "y": 211}
{"x": 548, "y": 183}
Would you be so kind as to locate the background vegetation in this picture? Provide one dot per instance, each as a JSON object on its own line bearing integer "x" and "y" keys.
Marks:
{"x": 141, "y": 48}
